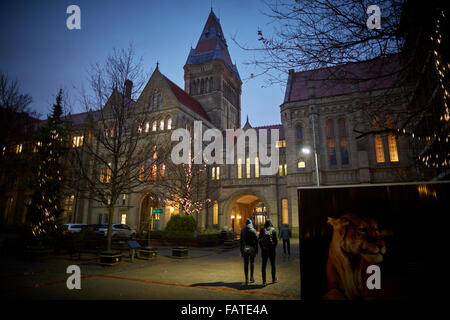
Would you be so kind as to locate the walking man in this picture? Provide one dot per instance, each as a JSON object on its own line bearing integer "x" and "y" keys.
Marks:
{"x": 249, "y": 248}
{"x": 285, "y": 234}
{"x": 268, "y": 242}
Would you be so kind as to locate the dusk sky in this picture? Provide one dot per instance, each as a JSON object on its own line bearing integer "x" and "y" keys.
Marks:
{"x": 44, "y": 55}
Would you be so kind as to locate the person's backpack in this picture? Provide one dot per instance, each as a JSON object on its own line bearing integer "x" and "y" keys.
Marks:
{"x": 267, "y": 240}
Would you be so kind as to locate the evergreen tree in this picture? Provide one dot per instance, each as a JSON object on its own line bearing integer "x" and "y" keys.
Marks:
{"x": 48, "y": 180}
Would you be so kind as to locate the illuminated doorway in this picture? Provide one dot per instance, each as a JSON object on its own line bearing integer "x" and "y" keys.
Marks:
{"x": 245, "y": 207}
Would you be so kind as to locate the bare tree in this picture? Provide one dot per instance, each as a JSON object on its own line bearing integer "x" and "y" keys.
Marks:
{"x": 331, "y": 34}
{"x": 15, "y": 110}
{"x": 322, "y": 33}
{"x": 118, "y": 144}
{"x": 189, "y": 185}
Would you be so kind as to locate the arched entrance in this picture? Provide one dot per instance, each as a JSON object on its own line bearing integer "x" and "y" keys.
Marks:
{"x": 150, "y": 213}
{"x": 247, "y": 206}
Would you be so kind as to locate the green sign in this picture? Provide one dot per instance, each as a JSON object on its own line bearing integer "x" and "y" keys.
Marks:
{"x": 157, "y": 210}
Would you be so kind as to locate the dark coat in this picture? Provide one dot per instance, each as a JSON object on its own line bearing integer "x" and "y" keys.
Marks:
{"x": 285, "y": 233}
{"x": 268, "y": 225}
{"x": 249, "y": 237}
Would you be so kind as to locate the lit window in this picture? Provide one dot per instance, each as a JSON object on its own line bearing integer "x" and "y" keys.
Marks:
{"x": 154, "y": 126}
{"x": 139, "y": 129}
{"x": 216, "y": 212}
{"x": 256, "y": 167}
{"x": 163, "y": 170}
{"x": 280, "y": 170}
{"x": 169, "y": 123}
{"x": 393, "y": 154}
{"x": 124, "y": 199}
{"x": 77, "y": 141}
{"x": 285, "y": 169}
{"x": 379, "y": 149}
{"x": 247, "y": 165}
{"x": 154, "y": 171}
{"x": 102, "y": 175}
{"x": 108, "y": 173}
{"x": 123, "y": 218}
{"x": 392, "y": 141}
{"x": 141, "y": 172}
{"x": 331, "y": 143}
{"x": 147, "y": 127}
{"x": 239, "y": 168}
{"x": 284, "y": 211}
{"x": 18, "y": 148}
{"x": 36, "y": 147}
{"x": 68, "y": 206}
{"x": 280, "y": 144}
{"x": 301, "y": 164}
{"x": 343, "y": 141}
{"x": 215, "y": 173}
{"x": 161, "y": 125}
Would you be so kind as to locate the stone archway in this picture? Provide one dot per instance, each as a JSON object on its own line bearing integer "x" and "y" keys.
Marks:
{"x": 241, "y": 206}
{"x": 147, "y": 220}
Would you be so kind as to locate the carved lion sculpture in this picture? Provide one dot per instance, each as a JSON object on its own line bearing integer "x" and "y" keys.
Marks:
{"x": 356, "y": 244}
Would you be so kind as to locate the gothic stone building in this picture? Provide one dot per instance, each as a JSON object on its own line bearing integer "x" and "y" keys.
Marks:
{"x": 320, "y": 110}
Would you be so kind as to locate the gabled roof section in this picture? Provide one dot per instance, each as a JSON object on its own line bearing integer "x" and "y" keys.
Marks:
{"x": 212, "y": 45}
{"x": 278, "y": 127}
{"x": 186, "y": 99}
{"x": 343, "y": 79}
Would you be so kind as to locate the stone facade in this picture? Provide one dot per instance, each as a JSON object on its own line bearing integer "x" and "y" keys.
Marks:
{"x": 315, "y": 121}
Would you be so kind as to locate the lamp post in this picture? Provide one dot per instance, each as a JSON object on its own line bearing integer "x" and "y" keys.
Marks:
{"x": 307, "y": 151}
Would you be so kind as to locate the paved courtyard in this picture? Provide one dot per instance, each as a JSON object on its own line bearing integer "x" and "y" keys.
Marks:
{"x": 208, "y": 273}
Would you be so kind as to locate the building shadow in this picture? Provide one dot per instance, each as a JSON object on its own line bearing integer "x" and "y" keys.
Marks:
{"x": 233, "y": 285}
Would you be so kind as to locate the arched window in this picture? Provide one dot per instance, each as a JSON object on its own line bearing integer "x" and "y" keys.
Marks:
{"x": 256, "y": 167}
{"x": 331, "y": 142}
{"x": 216, "y": 212}
{"x": 299, "y": 132}
{"x": 392, "y": 141}
{"x": 154, "y": 125}
{"x": 161, "y": 124}
{"x": 169, "y": 123}
{"x": 284, "y": 211}
{"x": 239, "y": 163}
{"x": 343, "y": 141}
{"x": 159, "y": 101}
{"x": 378, "y": 140}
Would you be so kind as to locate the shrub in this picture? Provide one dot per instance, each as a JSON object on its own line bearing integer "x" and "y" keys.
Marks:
{"x": 180, "y": 227}
{"x": 181, "y": 223}
{"x": 209, "y": 231}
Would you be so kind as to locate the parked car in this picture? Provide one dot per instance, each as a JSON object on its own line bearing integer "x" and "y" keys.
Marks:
{"x": 118, "y": 230}
{"x": 95, "y": 227}
{"x": 73, "y": 227}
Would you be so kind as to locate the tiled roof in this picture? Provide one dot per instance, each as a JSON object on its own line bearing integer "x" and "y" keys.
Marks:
{"x": 187, "y": 100}
{"x": 212, "y": 45}
{"x": 343, "y": 79}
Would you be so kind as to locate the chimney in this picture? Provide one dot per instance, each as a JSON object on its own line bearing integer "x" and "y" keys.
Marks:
{"x": 128, "y": 88}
